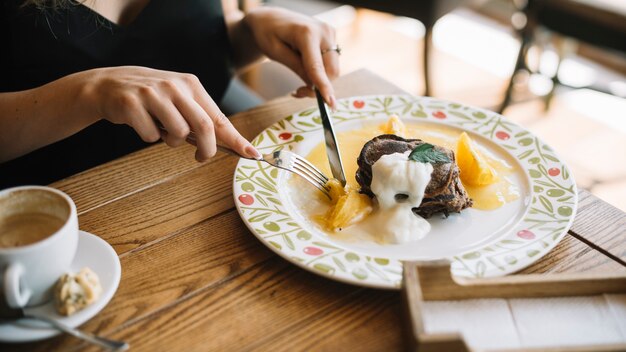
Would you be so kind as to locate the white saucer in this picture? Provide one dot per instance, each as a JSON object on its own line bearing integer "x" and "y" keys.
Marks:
{"x": 92, "y": 252}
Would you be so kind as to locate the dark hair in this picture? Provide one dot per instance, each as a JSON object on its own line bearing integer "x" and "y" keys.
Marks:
{"x": 47, "y": 4}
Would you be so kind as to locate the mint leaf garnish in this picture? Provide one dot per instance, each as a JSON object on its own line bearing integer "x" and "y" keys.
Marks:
{"x": 426, "y": 153}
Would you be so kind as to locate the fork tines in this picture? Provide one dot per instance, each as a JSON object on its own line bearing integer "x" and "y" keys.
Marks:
{"x": 310, "y": 173}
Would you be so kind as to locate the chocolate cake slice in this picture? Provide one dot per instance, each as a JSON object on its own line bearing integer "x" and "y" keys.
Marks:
{"x": 444, "y": 194}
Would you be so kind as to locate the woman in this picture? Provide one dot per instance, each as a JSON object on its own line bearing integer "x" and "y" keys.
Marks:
{"x": 84, "y": 83}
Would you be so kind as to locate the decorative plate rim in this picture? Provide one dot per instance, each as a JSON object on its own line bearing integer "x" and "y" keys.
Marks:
{"x": 518, "y": 249}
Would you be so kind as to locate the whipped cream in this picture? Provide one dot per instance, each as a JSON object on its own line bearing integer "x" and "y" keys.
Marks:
{"x": 399, "y": 185}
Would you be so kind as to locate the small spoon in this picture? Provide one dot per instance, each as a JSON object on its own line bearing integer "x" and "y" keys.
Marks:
{"x": 10, "y": 315}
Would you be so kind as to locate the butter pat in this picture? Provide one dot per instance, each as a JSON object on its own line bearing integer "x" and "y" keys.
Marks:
{"x": 74, "y": 292}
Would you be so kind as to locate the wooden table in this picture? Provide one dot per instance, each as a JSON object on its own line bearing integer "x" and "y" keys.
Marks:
{"x": 195, "y": 279}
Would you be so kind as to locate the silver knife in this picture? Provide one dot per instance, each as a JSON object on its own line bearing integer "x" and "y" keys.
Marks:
{"x": 332, "y": 147}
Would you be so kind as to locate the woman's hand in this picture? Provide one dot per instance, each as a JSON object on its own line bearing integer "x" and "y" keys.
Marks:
{"x": 137, "y": 96}
{"x": 297, "y": 41}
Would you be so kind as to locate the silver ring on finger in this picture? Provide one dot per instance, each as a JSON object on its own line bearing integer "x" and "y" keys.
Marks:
{"x": 335, "y": 48}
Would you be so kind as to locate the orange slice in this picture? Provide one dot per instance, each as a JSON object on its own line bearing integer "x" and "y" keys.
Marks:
{"x": 475, "y": 169}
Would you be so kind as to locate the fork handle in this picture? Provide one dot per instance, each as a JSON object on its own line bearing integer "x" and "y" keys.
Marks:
{"x": 192, "y": 139}
{"x": 96, "y": 340}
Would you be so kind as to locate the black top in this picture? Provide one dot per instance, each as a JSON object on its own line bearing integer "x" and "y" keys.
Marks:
{"x": 37, "y": 47}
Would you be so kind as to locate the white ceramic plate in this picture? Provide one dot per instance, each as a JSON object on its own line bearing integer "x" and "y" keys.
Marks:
{"x": 92, "y": 252}
{"x": 479, "y": 243}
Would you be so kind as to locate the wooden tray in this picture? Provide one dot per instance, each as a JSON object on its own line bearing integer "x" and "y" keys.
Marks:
{"x": 433, "y": 281}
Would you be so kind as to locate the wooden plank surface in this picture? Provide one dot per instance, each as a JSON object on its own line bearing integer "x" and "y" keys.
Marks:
{"x": 606, "y": 232}
{"x": 194, "y": 278}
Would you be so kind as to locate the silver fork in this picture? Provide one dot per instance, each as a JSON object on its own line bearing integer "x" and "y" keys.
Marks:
{"x": 282, "y": 159}
{"x": 292, "y": 162}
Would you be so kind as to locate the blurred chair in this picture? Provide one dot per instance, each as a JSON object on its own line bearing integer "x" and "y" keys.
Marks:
{"x": 600, "y": 23}
{"x": 425, "y": 11}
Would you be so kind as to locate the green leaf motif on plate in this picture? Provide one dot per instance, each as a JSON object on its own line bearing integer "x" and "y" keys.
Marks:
{"x": 339, "y": 264}
{"x": 565, "y": 210}
{"x": 460, "y": 115}
{"x": 546, "y": 203}
{"x": 521, "y": 134}
{"x": 305, "y": 124}
{"x": 511, "y": 260}
{"x": 359, "y": 273}
{"x": 303, "y": 235}
{"x": 326, "y": 269}
{"x": 258, "y": 140}
{"x": 289, "y": 242}
{"x": 265, "y": 184}
{"x": 479, "y": 115}
{"x": 419, "y": 113}
{"x": 532, "y": 252}
{"x": 271, "y": 226}
{"x": 555, "y": 192}
{"x": 272, "y": 137}
{"x": 352, "y": 257}
{"x": 274, "y": 200}
{"x": 381, "y": 261}
{"x": 308, "y": 112}
{"x": 259, "y": 217}
{"x": 525, "y": 142}
{"x": 276, "y": 245}
{"x": 525, "y": 154}
{"x": 325, "y": 245}
{"x": 481, "y": 267}
{"x": 471, "y": 255}
{"x": 376, "y": 271}
{"x": 247, "y": 187}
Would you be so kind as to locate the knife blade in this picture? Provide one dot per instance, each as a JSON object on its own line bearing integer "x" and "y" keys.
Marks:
{"x": 332, "y": 146}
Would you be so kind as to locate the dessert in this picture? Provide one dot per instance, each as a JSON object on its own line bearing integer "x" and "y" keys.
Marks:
{"x": 74, "y": 292}
{"x": 399, "y": 175}
{"x": 444, "y": 192}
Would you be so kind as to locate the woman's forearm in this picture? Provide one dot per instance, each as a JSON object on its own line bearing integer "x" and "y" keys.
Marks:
{"x": 40, "y": 116}
{"x": 245, "y": 49}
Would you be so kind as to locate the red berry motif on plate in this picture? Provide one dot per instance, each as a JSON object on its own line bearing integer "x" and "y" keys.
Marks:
{"x": 246, "y": 199}
{"x": 359, "y": 104}
{"x": 284, "y": 136}
{"x": 439, "y": 114}
{"x": 526, "y": 234}
{"x": 502, "y": 135}
{"x": 554, "y": 171}
{"x": 313, "y": 250}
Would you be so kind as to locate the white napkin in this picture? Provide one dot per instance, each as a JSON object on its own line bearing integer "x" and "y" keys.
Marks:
{"x": 484, "y": 323}
{"x": 526, "y": 323}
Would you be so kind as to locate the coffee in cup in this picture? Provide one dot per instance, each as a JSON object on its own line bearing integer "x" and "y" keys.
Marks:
{"x": 38, "y": 240}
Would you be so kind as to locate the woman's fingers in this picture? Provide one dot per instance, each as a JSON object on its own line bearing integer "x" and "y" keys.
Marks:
{"x": 201, "y": 125}
{"x": 314, "y": 67}
{"x": 330, "y": 58}
{"x": 222, "y": 127}
{"x": 304, "y": 92}
{"x": 162, "y": 109}
{"x": 287, "y": 56}
{"x": 143, "y": 124}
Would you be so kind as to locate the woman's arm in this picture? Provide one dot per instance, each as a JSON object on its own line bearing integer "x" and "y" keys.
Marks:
{"x": 135, "y": 96}
{"x": 37, "y": 117}
{"x": 295, "y": 40}
{"x": 245, "y": 49}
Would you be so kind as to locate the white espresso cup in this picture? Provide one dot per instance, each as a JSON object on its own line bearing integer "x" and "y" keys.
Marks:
{"x": 38, "y": 241}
